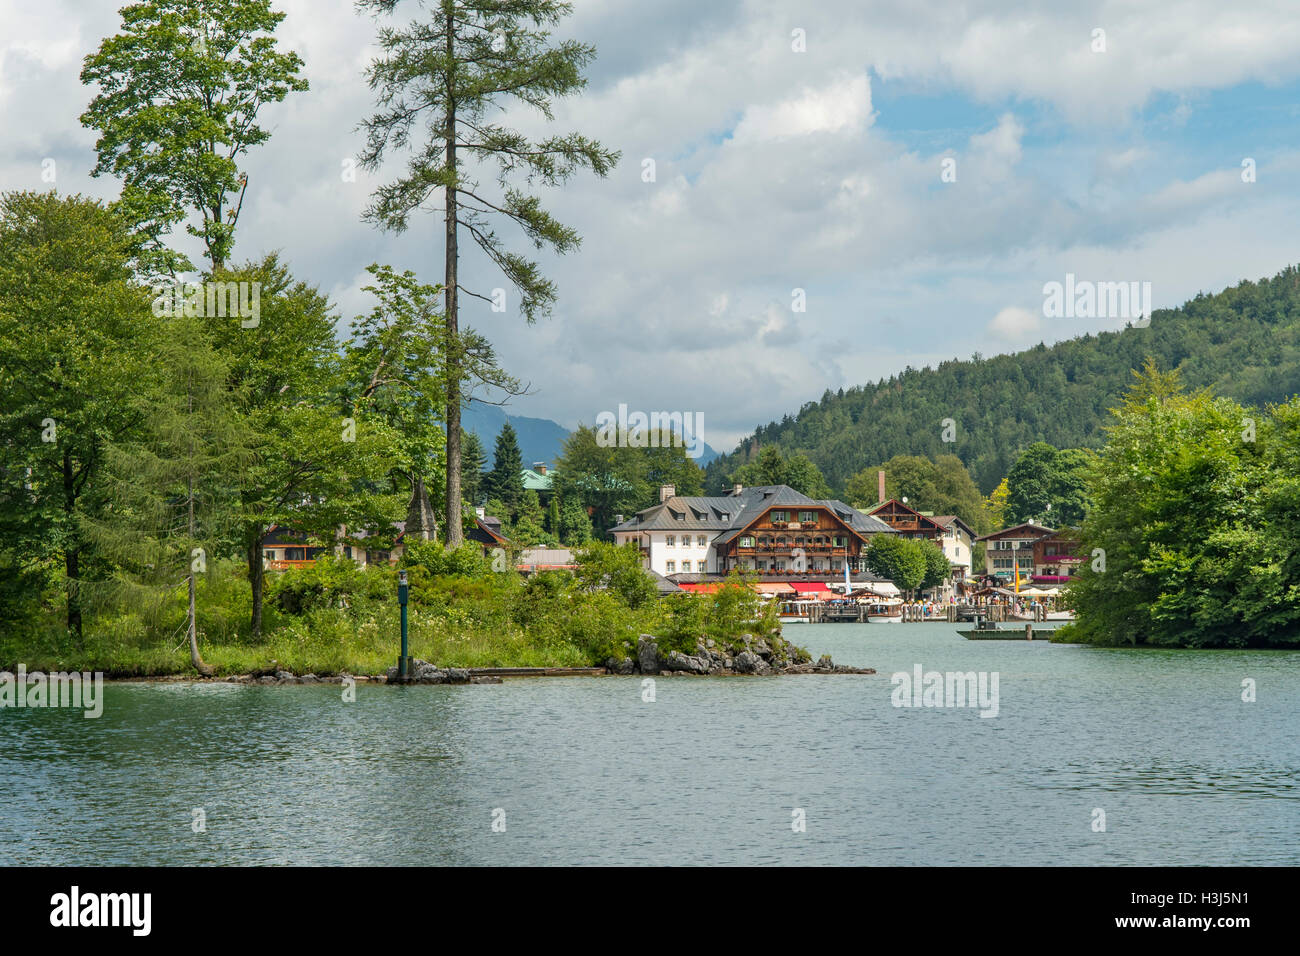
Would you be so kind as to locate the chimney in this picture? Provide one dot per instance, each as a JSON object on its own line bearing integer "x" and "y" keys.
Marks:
{"x": 666, "y": 492}
{"x": 618, "y": 519}
{"x": 736, "y": 489}
{"x": 880, "y": 477}
{"x": 539, "y": 467}
{"x": 481, "y": 512}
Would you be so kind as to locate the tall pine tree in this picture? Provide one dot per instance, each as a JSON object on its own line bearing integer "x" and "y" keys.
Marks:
{"x": 453, "y": 73}
{"x": 505, "y": 482}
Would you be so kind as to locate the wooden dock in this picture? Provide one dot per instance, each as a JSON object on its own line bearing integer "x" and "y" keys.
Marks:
{"x": 1027, "y": 633}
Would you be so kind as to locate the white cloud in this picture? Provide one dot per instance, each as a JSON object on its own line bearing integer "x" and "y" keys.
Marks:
{"x": 1016, "y": 325}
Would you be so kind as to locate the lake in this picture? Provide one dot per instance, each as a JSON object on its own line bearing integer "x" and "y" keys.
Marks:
{"x": 713, "y": 771}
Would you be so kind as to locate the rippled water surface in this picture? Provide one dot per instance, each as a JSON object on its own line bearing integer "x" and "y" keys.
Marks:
{"x": 586, "y": 772}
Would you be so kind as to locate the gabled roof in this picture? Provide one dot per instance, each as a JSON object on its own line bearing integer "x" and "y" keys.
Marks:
{"x": 536, "y": 481}
{"x": 901, "y": 506}
{"x": 731, "y": 514}
{"x": 1026, "y": 529}
{"x": 947, "y": 521}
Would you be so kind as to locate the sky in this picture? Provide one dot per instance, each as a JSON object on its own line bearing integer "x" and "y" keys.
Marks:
{"x": 841, "y": 189}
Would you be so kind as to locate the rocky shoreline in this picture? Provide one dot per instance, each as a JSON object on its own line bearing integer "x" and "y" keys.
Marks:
{"x": 749, "y": 657}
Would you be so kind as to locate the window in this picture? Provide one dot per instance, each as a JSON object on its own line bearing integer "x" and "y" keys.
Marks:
{"x": 841, "y": 541}
{"x": 747, "y": 542}
{"x": 701, "y": 541}
{"x": 670, "y": 541}
{"x": 671, "y": 566}
{"x": 779, "y": 516}
{"x": 295, "y": 554}
{"x": 686, "y": 565}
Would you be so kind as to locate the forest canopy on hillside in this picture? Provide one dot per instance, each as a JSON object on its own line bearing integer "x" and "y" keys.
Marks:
{"x": 1243, "y": 342}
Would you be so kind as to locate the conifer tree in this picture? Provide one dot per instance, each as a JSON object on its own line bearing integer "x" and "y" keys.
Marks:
{"x": 438, "y": 82}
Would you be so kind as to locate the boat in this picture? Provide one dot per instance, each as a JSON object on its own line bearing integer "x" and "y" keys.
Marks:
{"x": 885, "y": 614}
{"x": 986, "y": 630}
{"x": 796, "y": 612}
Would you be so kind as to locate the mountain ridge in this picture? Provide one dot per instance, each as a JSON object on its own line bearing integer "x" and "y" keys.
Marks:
{"x": 1243, "y": 341}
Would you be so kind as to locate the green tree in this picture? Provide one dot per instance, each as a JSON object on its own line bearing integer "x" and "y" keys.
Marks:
{"x": 505, "y": 482}
{"x": 1030, "y": 484}
{"x": 937, "y": 565}
{"x": 575, "y": 524}
{"x": 772, "y": 468}
{"x": 609, "y": 567}
{"x": 473, "y": 461}
{"x": 606, "y": 477}
{"x": 181, "y": 88}
{"x": 529, "y": 525}
{"x": 897, "y": 559}
{"x": 1044, "y": 476}
{"x": 941, "y": 487}
{"x": 451, "y": 72}
{"x": 1189, "y": 540}
{"x": 174, "y": 499}
{"x": 317, "y": 460}
{"x": 77, "y": 346}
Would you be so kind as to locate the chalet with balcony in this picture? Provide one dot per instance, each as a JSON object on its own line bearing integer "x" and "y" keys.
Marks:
{"x": 1056, "y": 556}
{"x": 768, "y": 529}
{"x": 908, "y": 522}
{"x": 1012, "y": 548}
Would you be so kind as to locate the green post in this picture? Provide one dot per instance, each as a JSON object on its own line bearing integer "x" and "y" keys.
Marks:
{"x": 403, "y": 662}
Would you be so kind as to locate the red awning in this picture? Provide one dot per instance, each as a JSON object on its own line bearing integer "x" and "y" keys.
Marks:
{"x": 813, "y": 589}
{"x": 700, "y": 587}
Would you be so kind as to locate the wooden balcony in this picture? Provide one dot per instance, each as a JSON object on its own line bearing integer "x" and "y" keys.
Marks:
{"x": 289, "y": 565}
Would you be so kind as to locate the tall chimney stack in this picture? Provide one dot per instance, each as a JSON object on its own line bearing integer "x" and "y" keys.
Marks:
{"x": 666, "y": 492}
{"x": 880, "y": 477}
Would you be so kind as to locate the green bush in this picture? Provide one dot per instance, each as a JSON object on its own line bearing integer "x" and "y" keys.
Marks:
{"x": 331, "y": 582}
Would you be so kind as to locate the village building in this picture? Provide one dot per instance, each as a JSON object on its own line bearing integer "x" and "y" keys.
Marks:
{"x": 541, "y": 480}
{"x": 1056, "y": 557}
{"x": 907, "y": 521}
{"x": 1012, "y": 548}
{"x": 771, "y": 529}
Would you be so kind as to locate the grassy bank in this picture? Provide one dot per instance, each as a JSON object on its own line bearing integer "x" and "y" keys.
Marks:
{"x": 337, "y": 617}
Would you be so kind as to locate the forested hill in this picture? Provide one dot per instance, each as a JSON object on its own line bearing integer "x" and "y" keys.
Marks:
{"x": 1244, "y": 342}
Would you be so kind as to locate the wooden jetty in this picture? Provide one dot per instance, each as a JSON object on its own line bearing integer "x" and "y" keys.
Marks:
{"x": 1028, "y": 633}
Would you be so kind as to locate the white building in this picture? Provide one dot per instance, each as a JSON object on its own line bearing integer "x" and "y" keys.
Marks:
{"x": 769, "y": 529}
{"x": 957, "y": 541}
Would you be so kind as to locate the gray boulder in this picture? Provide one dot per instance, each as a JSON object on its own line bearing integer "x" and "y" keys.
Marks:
{"x": 677, "y": 661}
{"x": 647, "y": 654}
{"x": 747, "y": 662}
{"x": 620, "y": 665}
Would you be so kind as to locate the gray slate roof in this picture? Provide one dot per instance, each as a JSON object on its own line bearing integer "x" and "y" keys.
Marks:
{"x": 730, "y": 514}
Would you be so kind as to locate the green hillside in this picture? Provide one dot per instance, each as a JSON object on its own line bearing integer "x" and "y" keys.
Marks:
{"x": 1243, "y": 341}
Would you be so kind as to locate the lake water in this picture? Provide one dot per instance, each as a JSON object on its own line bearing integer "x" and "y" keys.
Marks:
{"x": 712, "y": 771}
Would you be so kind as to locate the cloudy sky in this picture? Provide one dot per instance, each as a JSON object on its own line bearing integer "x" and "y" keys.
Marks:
{"x": 796, "y": 145}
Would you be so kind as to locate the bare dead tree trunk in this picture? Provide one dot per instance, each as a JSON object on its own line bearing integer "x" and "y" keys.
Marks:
{"x": 195, "y": 659}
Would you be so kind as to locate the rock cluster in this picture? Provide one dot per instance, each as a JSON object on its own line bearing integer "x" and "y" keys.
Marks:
{"x": 748, "y": 656}
{"x": 286, "y": 677}
{"x": 422, "y": 672}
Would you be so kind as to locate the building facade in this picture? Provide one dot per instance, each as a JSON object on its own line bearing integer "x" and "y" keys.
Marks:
{"x": 769, "y": 529}
{"x": 1011, "y": 549}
